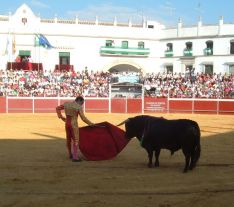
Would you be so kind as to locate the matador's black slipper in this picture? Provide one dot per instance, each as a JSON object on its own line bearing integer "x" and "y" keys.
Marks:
{"x": 79, "y": 160}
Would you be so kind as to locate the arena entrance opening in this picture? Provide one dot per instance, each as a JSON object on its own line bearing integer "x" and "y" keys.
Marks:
{"x": 126, "y": 98}
{"x": 126, "y": 89}
{"x": 125, "y": 73}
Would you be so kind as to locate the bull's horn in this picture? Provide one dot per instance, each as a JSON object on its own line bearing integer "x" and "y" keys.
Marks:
{"x": 123, "y": 122}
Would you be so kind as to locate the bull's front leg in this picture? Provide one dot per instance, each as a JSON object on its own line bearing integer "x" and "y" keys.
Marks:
{"x": 157, "y": 153}
{"x": 150, "y": 156}
{"x": 187, "y": 160}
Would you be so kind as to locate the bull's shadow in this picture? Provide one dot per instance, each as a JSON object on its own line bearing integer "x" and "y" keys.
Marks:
{"x": 216, "y": 151}
{"x": 48, "y": 136}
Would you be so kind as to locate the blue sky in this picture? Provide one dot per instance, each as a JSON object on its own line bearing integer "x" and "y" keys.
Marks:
{"x": 164, "y": 11}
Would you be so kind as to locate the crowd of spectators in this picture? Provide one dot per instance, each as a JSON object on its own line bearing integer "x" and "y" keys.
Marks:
{"x": 196, "y": 85}
{"x": 52, "y": 84}
{"x": 96, "y": 84}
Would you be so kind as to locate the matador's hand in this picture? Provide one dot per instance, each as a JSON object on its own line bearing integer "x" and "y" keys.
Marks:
{"x": 63, "y": 118}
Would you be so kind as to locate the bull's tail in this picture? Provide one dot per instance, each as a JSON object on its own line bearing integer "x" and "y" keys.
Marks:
{"x": 197, "y": 146}
{"x": 197, "y": 153}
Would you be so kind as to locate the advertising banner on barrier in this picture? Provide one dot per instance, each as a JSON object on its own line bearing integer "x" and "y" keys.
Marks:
{"x": 153, "y": 104}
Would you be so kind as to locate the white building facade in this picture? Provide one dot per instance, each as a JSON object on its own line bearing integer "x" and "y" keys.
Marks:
{"x": 109, "y": 46}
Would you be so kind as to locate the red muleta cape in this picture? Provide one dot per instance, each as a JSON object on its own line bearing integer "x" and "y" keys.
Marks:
{"x": 103, "y": 141}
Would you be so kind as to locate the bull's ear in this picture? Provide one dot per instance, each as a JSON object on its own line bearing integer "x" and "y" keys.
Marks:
{"x": 123, "y": 122}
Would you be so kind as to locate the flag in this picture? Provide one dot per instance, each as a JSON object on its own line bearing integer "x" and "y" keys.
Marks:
{"x": 7, "y": 46}
{"x": 41, "y": 40}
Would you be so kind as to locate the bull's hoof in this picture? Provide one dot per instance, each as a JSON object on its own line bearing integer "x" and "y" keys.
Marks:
{"x": 150, "y": 165}
{"x": 191, "y": 167}
{"x": 185, "y": 171}
{"x": 156, "y": 165}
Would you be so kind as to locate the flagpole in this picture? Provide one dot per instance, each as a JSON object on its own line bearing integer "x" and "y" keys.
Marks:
{"x": 39, "y": 48}
{"x": 43, "y": 42}
{"x": 37, "y": 45}
{"x": 35, "y": 48}
{"x": 10, "y": 50}
{"x": 11, "y": 47}
{"x": 39, "y": 56}
{"x": 7, "y": 49}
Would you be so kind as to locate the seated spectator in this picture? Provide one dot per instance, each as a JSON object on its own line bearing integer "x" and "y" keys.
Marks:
{"x": 96, "y": 84}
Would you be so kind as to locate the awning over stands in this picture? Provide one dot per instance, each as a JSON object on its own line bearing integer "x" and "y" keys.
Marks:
{"x": 24, "y": 53}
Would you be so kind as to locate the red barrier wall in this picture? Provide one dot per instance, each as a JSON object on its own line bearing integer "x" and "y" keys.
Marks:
{"x": 226, "y": 107}
{"x": 62, "y": 101}
{"x": 20, "y": 105}
{"x": 2, "y": 105}
{"x": 91, "y": 105}
{"x": 45, "y": 106}
{"x": 97, "y": 106}
{"x": 205, "y": 106}
{"x": 180, "y": 106}
{"x": 119, "y": 105}
{"x": 134, "y": 106}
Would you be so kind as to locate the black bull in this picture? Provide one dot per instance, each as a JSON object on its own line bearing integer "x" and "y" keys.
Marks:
{"x": 158, "y": 133}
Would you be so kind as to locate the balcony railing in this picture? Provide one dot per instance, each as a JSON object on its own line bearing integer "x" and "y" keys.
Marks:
{"x": 208, "y": 51}
{"x": 188, "y": 52}
{"x": 64, "y": 67}
{"x": 168, "y": 53}
{"x": 24, "y": 66}
{"x": 130, "y": 51}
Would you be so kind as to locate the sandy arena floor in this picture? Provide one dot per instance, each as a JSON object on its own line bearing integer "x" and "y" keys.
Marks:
{"x": 35, "y": 171}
